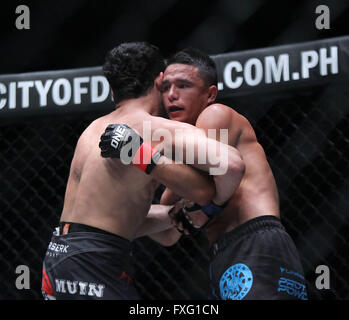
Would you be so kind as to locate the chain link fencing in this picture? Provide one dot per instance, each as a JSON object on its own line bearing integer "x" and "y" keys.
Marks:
{"x": 305, "y": 135}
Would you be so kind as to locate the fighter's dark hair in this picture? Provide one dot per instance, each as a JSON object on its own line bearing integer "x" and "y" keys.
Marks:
{"x": 131, "y": 69}
{"x": 195, "y": 57}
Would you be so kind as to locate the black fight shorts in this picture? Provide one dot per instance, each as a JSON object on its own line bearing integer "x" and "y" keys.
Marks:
{"x": 257, "y": 261}
{"x": 83, "y": 262}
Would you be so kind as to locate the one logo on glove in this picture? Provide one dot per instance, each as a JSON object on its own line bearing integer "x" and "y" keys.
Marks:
{"x": 236, "y": 282}
{"x": 118, "y": 136}
{"x": 122, "y": 142}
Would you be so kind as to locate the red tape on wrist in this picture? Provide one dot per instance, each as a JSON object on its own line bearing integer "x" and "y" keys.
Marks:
{"x": 143, "y": 156}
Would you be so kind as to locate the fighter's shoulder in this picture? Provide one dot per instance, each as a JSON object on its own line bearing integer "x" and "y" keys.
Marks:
{"x": 216, "y": 115}
{"x": 218, "y": 108}
{"x": 92, "y": 131}
{"x": 163, "y": 123}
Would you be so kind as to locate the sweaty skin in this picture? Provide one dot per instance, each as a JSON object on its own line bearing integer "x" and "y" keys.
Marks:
{"x": 257, "y": 194}
{"x": 105, "y": 193}
{"x": 187, "y": 99}
{"x": 109, "y": 195}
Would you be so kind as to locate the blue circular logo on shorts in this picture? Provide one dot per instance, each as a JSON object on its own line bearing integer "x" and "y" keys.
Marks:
{"x": 236, "y": 282}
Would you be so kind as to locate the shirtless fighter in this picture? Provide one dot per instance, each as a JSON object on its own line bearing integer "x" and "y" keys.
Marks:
{"x": 251, "y": 255}
{"x": 106, "y": 202}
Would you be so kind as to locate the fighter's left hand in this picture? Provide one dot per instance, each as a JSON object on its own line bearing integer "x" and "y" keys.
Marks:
{"x": 197, "y": 217}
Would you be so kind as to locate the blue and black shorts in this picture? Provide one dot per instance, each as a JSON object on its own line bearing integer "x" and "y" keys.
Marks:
{"x": 258, "y": 260}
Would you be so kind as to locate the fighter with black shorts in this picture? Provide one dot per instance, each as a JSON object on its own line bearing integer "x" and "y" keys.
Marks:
{"x": 83, "y": 262}
{"x": 106, "y": 202}
{"x": 251, "y": 254}
{"x": 256, "y": 260}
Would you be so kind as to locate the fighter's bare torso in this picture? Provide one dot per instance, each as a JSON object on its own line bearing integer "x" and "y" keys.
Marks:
{"x": 107, "y": 194}
{"x": 257, "y": 194}
{"x": 99, "y": 191}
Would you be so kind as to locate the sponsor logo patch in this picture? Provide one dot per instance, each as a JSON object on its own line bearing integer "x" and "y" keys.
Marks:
{"x": 236, "y": 282}
{"x": 293, "y": 288}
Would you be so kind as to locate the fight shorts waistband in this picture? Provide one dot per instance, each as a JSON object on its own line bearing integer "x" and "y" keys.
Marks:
{"x": 72, "y": 227}
{"x": 253, "y": 225}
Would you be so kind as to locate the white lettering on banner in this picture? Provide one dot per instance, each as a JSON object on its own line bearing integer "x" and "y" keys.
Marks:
{"x": 331, "y": 60}
{"x": 43, "y": 90}
{"x": 255, "y": 64}
{"x": 227, "y": 75}
{"x": 61, "y": 90}
{"x": 12, "y": 95}
{"x": 25, "y": 85}
{"x": 95, "y": 81}
{"x": 87, "y": 90}
{"x": 276, "y": 69}
{"x": 56, "y": 92}
{"x": 309, "y": 60}
{"x": 78, "y": 89}
{"x": 3, "y": 90}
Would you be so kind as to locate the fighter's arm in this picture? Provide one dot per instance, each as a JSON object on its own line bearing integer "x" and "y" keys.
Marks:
{"x": 205, "y": 153}
{"x": 157, "y": 220}
{"x": 168, "y": 197}
{"x": 159, "y": 226}
{"x": 185, "y": 181}
{"x": 188, "y": 182}
{"x": 217, "y": 117}
{"x": 168, "y": 235}
{"x": 166, "y": 238}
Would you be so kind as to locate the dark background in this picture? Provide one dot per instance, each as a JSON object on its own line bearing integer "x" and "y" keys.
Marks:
{"x": 72, "y": 34}
{"x": 304, "y": 132}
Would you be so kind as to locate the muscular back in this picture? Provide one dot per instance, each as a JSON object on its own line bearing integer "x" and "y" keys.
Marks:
{"x": 104, "y": 193}
{"x": 257, "y": 194}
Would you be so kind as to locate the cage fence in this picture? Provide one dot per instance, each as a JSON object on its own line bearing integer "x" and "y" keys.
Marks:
{"x": 305, "y": 134}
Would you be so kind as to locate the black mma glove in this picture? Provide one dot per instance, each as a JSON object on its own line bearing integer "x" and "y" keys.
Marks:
{"x": 181, "y": 216}
{"x": 122, "y": 142}
{"x": 211, "y": 210}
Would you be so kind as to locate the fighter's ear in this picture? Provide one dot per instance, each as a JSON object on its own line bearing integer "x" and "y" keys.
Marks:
{"x": 212, "y": 94}
{"x": 158, "y": 81}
